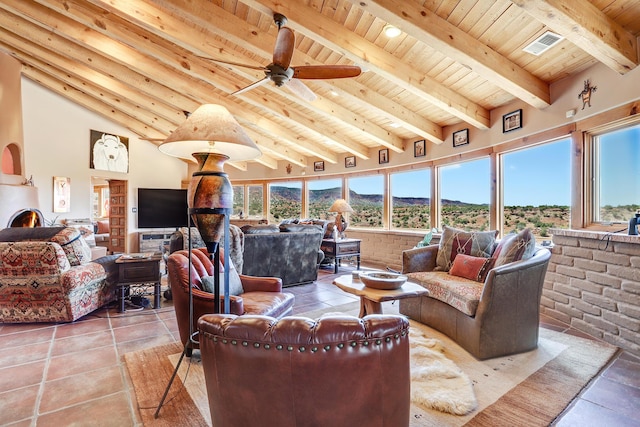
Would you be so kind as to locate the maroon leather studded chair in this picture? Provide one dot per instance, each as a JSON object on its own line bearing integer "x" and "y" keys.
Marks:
{"x": 262, "y": 295}
{"x": 335, "y": 371}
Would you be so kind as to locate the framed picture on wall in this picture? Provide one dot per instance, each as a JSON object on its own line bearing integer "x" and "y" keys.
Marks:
{"x": 108, "y": 152}
{"x": 419, "y": 148}
{"x": 512, "y": 121}
{"x": 318, "y": 166}
{"x": 461, "y": 137}
{"x": 383, "y": 156}
{"x": 350, "y": 162}
{"x": 61, "y": 194}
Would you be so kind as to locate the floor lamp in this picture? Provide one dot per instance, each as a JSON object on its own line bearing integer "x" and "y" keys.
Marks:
{"x": 212, "y": 136}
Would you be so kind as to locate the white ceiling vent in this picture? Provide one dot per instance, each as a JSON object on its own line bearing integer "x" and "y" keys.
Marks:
{"x": 543, "y": 43}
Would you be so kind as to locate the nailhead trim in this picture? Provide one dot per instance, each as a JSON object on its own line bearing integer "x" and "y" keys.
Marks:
{"x": 302, "y": 349}
{"x": 256, "y": 344}
{"x": 267, "y": 346}
{"x": 314, "y": 349}
{"x": 244, "y": 343}
{"x": 279, "y": 347}
{"x": 327, "y": 347}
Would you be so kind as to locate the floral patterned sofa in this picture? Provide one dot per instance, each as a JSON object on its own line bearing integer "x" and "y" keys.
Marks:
{"x": 46, "y": 275}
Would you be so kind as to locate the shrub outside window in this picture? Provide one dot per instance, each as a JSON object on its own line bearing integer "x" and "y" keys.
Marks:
{"x": 366, "y": 197}
{"x": 616, "y": 175}
{"x": 410, "y": 199}
{"x": 536, "y": 196}
{"x": 464, "y": 195}
{"x": 285, "y": 201}
{"x": 322, "y": 194}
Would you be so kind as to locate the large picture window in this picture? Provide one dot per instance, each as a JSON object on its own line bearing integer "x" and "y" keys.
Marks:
{"x": 537, "y": 183}
{"x": 616, "y": 175}
{"x": 238, "y": 200}
{"x": 465, "y": 194}
{"x": 322, "y": 194}
{"x": 410, "y": 199}
{"x": 285, "y": 201}
{"x": 366, "y": 197}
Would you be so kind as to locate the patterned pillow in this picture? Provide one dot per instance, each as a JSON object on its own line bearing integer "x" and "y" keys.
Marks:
{"x": 471, "y": 267}
{"x": 235, "y": 284}
{"x": 455, "y": 241}
{"x": 514, "y": 247}
{"x": 77, "y": 250}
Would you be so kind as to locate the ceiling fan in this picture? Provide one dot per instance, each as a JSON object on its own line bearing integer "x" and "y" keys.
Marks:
{"x": 282, "y": 74}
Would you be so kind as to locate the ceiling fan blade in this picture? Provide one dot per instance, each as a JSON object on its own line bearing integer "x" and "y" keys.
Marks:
{"x": 326, "y": 71}
{"x": 283, "y": 51}
{"x": 302, "y": 90}
{"x": 251, "y": 86}
{"x": 237, "y": 64}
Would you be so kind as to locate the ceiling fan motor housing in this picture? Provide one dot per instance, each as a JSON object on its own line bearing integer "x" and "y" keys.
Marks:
{"x": 279, "y": 75}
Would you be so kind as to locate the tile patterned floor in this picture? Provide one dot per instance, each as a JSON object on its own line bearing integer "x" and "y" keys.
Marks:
{"x": 73, "y": 374}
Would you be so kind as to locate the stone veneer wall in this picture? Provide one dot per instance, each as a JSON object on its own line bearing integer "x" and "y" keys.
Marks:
{"x": 593, "y": 284}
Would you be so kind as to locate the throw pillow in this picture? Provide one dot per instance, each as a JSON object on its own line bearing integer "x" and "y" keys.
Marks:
{"x": 103, "y": 226}
{"x": 470, "y": 267}
{"x": 77, "y": 250}
{"x": 514, "y": 247}
{"x": 235, "y": 284}
{"x": 455, "y": 241}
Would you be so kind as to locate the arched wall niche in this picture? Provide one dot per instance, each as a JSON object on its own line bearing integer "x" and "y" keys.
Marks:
{"x": 11, "y": 164}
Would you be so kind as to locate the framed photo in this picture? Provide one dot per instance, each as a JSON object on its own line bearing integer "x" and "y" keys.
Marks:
{"x": 512, "y": 121}
{"x": 461, "y": 137}
{"x": 108, "y": 152}
{"x": 419, "y": 148}
{"x": 350, "y": 161}
{"x": 383, "y": 156}
{"x": 61, "y": 194}
{"x": 318, "y": 166}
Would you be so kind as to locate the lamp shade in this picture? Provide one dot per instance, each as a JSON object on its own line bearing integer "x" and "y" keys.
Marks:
{"x": 210, "y": 129}
{"x": 340, "y": 206}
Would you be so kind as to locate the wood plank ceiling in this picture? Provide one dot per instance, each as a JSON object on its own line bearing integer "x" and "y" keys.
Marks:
{"x": 140, "y": 63}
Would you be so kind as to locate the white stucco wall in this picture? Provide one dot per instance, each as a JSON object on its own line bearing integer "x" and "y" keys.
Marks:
{"x": 57, "y": 143}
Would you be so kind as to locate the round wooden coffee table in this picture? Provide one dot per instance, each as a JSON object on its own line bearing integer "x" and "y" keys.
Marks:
{"x": 371, "y": 299}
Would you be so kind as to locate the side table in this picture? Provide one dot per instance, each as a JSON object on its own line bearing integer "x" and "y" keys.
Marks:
{"x": 138, "y": 270}
{"x": 341, "y": 248}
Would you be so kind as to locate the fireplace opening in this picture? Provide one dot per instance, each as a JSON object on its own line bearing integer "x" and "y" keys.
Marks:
{"x": 26, "y": 218}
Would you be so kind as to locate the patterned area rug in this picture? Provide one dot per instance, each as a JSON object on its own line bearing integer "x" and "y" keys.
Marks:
{"x": 504, "y": 391}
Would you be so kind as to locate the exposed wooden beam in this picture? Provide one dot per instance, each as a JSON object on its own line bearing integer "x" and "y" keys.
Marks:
{"x": 201, "y": 92}
{"x": 198, "y": 68}
{"x": 582, "y": 23}
{"x": 324, "y": 30}
{"x": 427, "y": 27}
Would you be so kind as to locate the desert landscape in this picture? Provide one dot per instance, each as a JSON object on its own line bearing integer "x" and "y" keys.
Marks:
{"x": 414, "y": 212}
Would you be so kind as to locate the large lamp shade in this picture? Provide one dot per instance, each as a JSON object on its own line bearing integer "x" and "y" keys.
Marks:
{"x": 212, "y": 136}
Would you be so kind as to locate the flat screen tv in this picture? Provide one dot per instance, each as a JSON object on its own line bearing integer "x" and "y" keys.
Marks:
{"x": 162, "y": 208}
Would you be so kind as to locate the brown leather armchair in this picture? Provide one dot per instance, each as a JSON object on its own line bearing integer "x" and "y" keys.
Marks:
{"x": 262, "y": 295}
{"x": 337, "y": 371}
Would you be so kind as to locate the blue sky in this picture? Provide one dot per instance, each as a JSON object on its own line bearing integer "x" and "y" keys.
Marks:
{"x": 536, "y": 176}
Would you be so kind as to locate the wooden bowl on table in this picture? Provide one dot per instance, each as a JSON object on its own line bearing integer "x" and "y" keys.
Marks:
{"x": 382, "y": 279}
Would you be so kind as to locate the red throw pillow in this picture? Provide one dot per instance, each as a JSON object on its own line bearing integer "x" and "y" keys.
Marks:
{"x": 470, "y": 267}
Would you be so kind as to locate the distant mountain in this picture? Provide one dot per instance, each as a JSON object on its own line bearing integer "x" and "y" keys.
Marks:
{"x": 330, "y": 194}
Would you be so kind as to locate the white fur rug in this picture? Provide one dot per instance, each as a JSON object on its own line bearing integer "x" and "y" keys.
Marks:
{"x": 436, "y": 382}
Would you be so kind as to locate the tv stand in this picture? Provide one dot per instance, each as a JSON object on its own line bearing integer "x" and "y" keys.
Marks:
{"x": 156, "y": 241}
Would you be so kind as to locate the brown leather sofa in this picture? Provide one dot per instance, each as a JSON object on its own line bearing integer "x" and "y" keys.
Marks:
{"x": 507, "y": 316}
{"x": 262, "y": 295}
{"x": 337, "y": 371}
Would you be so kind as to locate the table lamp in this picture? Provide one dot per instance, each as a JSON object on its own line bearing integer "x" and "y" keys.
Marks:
{"x": 340, "y": 206}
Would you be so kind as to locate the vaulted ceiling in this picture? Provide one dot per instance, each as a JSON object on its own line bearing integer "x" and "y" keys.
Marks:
{"x": 143, "y": 63}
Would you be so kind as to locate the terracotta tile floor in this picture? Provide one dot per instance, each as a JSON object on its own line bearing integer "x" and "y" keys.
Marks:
{"x": 72, "y": 374}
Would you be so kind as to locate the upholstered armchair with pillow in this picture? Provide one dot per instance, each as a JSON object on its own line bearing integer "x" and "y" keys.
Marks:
{"x": 46, "y": 275}
{"x": 338, "y": 371}
{"x": 249, "y": 295}
{"x": 484, "y": 294}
